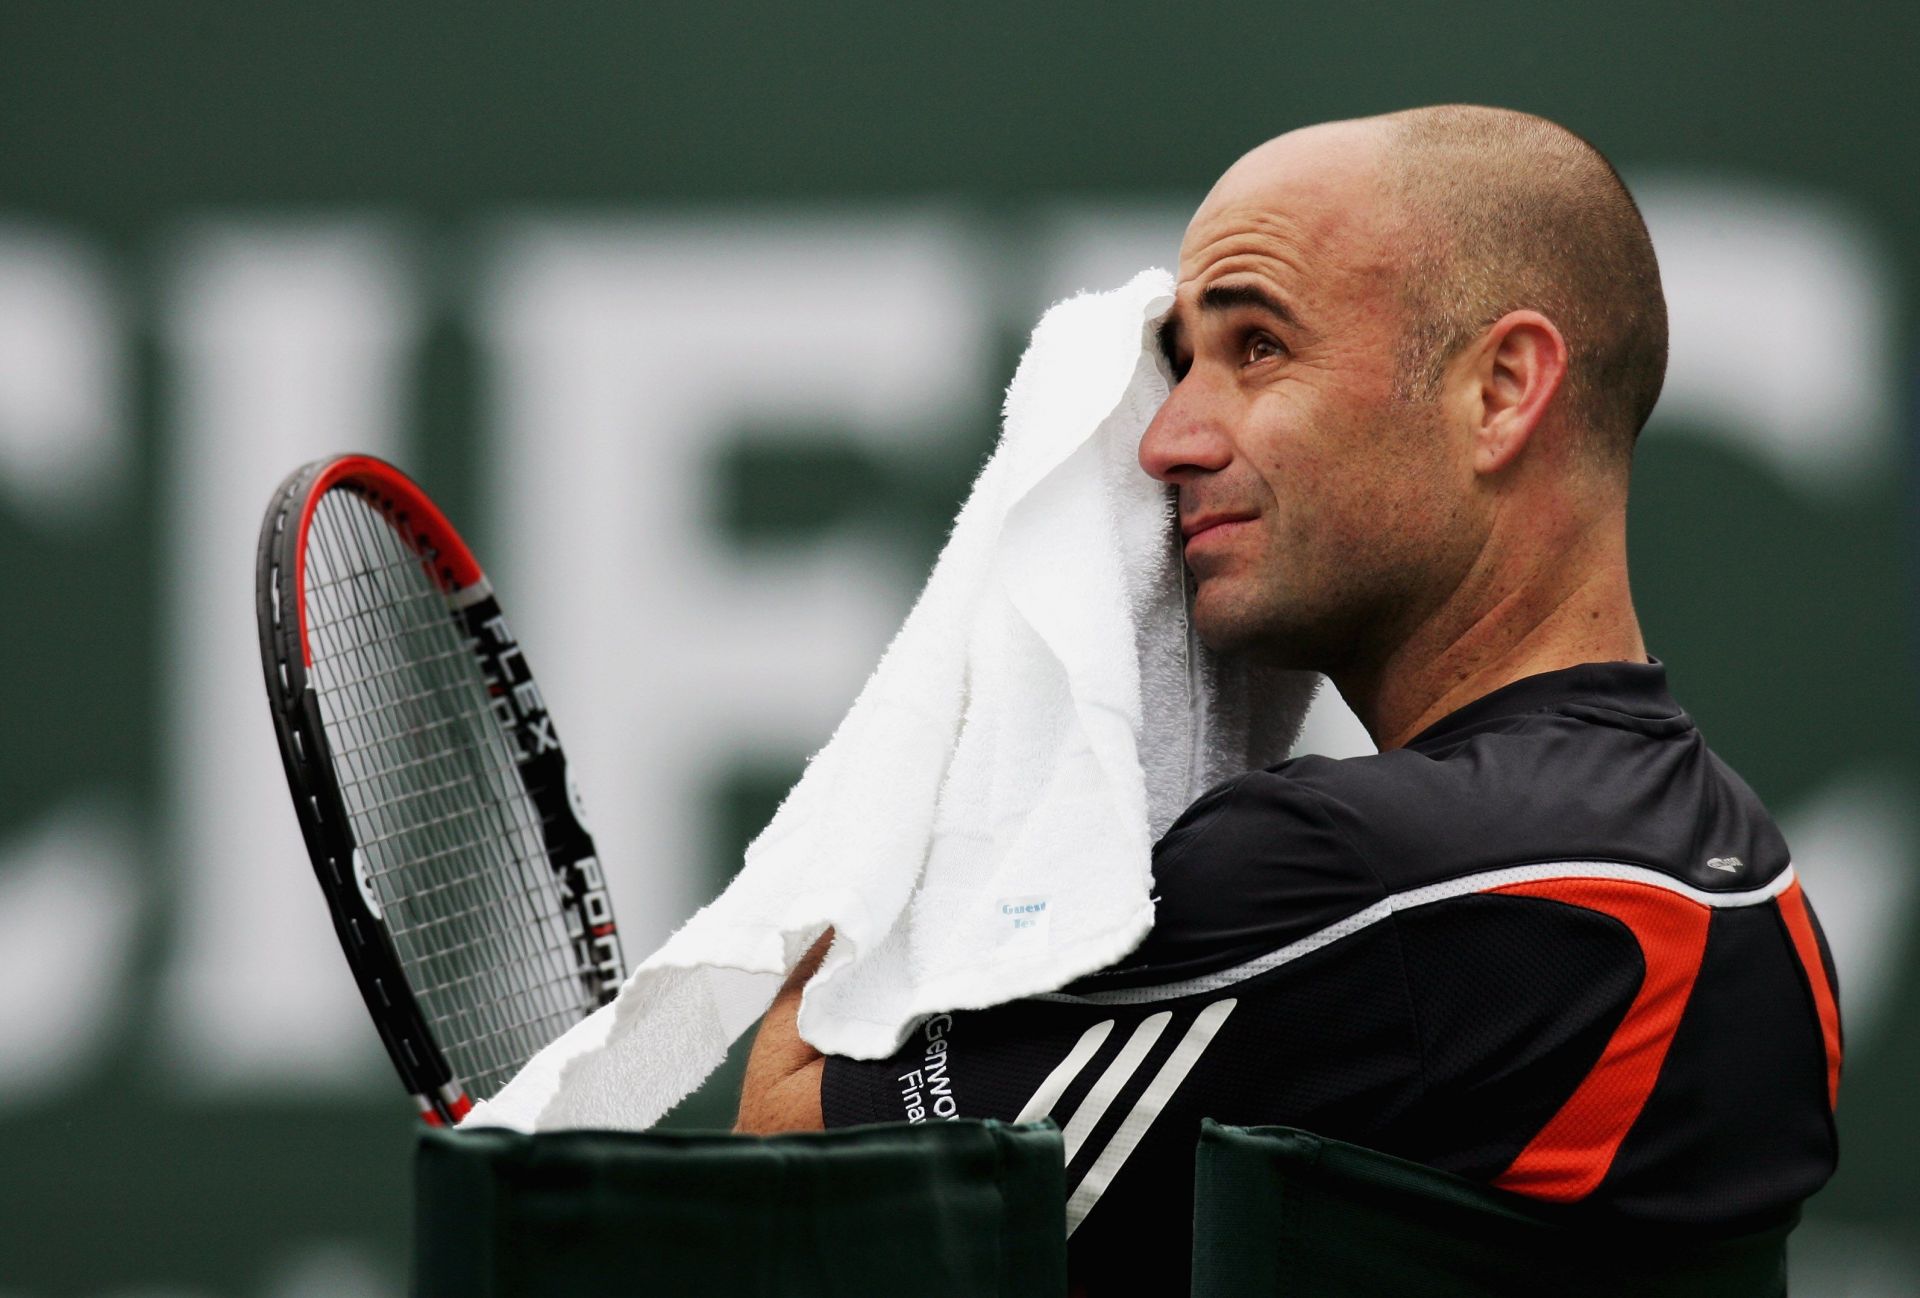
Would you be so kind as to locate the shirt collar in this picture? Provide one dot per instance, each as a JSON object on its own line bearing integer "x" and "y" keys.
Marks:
{"x": 1635, "y": 692}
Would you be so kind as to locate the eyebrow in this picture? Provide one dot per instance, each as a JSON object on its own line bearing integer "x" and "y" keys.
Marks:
{"x": 1227, "y": 297}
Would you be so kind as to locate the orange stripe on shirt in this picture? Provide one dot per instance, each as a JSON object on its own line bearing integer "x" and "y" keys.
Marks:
{"x": 1570, "y": 1156}
{"x": 1793, "y": 909}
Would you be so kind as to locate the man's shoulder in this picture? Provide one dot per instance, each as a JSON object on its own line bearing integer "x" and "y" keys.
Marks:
{"x": 1315, "y": 839}
{"x": 1547, "y": 778}
{"x": 1392, "y": 820}
{"x": 1304, "y": 851}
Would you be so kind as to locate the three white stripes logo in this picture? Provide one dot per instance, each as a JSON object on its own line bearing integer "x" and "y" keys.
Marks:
{"x": 1109, "y": 1085}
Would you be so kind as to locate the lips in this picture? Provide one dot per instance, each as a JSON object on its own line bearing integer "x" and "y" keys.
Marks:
{"x": 1194, "y": 528}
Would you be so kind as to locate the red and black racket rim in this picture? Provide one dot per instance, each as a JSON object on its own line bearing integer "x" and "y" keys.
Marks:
{"x": 430, "y": 783}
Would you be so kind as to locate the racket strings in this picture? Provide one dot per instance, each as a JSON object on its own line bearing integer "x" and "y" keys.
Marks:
{"x": 410, "y": 665}
{"x": 494, "y": 959}
{"x": 451, "y": 843}
{"x": 511, "y": 1021}
{"x": 327, "y": 583}
{"x": 512, "y": 1028}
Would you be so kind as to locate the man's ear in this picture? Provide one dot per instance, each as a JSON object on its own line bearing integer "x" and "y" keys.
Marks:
{"x": 1512, "y": 375}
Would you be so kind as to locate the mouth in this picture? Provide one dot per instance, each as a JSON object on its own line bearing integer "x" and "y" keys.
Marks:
{"x": 1211, "y": 527}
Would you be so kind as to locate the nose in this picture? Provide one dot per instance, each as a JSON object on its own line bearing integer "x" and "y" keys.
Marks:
{"x": 1186, "y": 438}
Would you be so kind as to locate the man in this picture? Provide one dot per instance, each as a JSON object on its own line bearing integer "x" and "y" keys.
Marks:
{"x": 1543, "y": 939}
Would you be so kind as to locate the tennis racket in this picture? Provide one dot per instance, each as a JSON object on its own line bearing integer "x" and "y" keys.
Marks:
{"x": 430, "y": 785}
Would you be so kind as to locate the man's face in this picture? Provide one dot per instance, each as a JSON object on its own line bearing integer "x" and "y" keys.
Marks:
{"x": 1316, "y": 508}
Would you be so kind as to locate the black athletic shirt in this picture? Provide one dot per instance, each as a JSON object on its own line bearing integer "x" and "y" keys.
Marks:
{"x": 1553, "y": 944}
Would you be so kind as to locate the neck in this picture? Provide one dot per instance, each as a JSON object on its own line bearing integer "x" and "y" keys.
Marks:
{"x": 1504, "y": 621}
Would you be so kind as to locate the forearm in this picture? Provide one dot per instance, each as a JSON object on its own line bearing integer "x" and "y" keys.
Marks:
{"x": 781, "y": 1090}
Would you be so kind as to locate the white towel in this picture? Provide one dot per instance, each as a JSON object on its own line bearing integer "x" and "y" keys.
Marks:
{"x": 980, "y": 826}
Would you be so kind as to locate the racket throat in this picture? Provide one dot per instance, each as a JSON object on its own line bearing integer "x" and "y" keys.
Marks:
{"x": 445, "y": 1107}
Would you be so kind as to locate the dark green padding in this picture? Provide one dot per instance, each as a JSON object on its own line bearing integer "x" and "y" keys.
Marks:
{"x": 929, "y": 1209}
{"x": 1279, "y": 1213}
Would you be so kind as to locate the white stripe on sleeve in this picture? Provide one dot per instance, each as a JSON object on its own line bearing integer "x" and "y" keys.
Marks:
{"x": 1094, "y": 1107}
{"x": 1152, "y": 1100}
{"x": 1043, "y": 1100}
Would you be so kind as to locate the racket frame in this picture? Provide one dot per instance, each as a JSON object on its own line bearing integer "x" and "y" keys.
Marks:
{"x": 299, "y": 726}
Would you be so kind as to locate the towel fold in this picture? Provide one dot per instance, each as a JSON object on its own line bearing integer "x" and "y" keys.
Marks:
{"x": 980, "y": 826}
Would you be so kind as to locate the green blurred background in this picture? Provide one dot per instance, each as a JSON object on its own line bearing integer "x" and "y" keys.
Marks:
{"x": 698, "y": 321}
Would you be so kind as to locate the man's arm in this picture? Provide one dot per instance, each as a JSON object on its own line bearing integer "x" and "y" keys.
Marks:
{"x": 781, "y": 1091}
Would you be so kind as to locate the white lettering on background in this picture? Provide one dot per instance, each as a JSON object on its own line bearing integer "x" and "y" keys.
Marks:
{"x": 64, "y": 446}
{"x": 621, "y": 357}
{"x": 286, "y": 343}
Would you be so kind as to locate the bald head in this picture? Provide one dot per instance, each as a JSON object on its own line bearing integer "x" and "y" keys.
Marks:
{"x": 1472, "y": 213}
{"x": 1506, "y": 211}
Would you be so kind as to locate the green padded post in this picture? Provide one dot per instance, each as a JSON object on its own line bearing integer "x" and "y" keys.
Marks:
{"x": 961, "y": 1209}
{"x": 1280, "y": 1213}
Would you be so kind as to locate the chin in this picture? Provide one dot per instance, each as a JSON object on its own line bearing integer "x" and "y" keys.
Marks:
{"x": 1227, "y": 628}
{"x": 1222, "y": 627}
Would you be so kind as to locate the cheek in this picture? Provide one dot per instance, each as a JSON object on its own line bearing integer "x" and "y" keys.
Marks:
{"x": 1353, "y": 495}
{"x": 1319, "y": 487}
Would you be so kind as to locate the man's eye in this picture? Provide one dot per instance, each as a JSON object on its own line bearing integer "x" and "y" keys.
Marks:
{"x": 1262, "y": 348}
